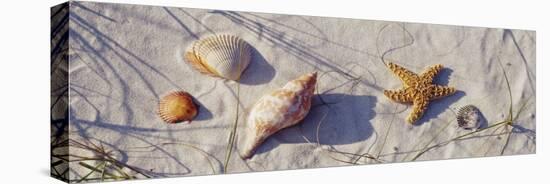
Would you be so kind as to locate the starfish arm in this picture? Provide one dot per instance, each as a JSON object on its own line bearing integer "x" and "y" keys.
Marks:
{"x": 398, "y": 95}
{"x": 429, "y": 74}
{"x": 441, "y": 91}
{"x": 420, "y": 104}
{"x": 405, "y": 75}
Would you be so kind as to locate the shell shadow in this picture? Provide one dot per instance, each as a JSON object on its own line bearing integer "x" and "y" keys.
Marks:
{"x": 483, "y": 123}
{"x": 439, "y": 106}
{"x": 204, "y": 113}
{"x": 347, "y": 121}
{"x": 259, "y": 71}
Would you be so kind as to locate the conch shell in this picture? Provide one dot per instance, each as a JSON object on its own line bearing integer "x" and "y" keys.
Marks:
{"x": 224, "y": 56}
{"x": 280, "y": 109}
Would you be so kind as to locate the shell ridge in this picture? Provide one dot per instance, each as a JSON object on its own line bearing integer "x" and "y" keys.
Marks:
{"x": 227, "y": 56}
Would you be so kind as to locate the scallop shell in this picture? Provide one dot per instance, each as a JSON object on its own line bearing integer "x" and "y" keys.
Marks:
{"x": 224, "y": 56}
{"x": 176, "y": 107}
{"x": 275, "y": 111}
{"x": 469, "y": 117}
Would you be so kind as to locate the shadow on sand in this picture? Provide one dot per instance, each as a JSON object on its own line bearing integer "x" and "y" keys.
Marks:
{"x": 438, "y": 106}
{"x": 347, "y": 121}
{"x": 259, "y": 71}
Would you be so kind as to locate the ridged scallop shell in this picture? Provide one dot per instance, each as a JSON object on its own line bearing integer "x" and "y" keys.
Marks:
{"x": 469, "y": 117}
{"x": 177, "y": 107}
{"x": 280, "y": 109}
{"x": 224, "y": 56}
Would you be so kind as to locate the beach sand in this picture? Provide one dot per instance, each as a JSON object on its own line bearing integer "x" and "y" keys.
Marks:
{"x": 123, "y": 58}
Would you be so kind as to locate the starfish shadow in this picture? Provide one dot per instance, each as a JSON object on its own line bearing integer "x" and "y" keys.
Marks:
{"x": 443, "y": 77}
{"x": 439, "y": 106}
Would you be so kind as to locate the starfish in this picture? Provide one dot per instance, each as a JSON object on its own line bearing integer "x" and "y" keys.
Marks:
{"x": 417, "y": 89}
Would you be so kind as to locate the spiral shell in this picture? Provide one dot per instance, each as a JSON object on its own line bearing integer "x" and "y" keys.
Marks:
{"x": 224, "y": 56}
{"x": 176, "y": 107}
{"x": 280, "y": 109}
{"x": 469, "y": 117}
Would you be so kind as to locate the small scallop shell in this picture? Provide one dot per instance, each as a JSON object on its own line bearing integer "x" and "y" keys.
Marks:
{"x": 176, "y": 107}
{"x": 224, "y": 56}
{"x": 469, "y": 117}
{"x": 275, "y": 111}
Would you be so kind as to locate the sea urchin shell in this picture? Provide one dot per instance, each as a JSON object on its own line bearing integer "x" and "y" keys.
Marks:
{"x": 469, "y": 117}
{"x": 176, "y": 107}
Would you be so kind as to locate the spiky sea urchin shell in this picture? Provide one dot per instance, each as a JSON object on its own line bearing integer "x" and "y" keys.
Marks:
{"x": 469, "y": 117}
{"x": 177, "y": 107}
{"x": 224, "y": 56}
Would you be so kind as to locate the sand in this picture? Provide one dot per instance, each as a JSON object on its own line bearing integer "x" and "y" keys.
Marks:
{"x": 123, "y": 58}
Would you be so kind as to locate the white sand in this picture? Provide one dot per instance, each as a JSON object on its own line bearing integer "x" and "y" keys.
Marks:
{"x": 125, "y": 57}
